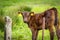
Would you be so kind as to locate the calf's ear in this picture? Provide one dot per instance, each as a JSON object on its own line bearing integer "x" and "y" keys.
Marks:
{"x": 19, "y": 13}
{"x": 31, "y": 13}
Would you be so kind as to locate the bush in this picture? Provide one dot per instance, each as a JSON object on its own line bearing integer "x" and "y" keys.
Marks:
{"x": 25, "y": 8}
{"x": 1, "y": 23}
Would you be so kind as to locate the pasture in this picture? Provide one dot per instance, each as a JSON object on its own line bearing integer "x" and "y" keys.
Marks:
{"x": 20, "y": 30}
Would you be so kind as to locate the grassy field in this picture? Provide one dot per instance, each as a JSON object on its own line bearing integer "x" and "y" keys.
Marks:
{"x": 20, "y": 30}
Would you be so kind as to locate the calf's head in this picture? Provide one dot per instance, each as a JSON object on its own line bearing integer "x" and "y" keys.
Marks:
{"x": 26, "y": 16}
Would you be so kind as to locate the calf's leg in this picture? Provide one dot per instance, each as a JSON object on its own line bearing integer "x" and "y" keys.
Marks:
{"x": 58, "y": 33}
{"x": 58, "y": 30}
{"x": 51, "y": 33}
{"x": 43, "y": 27}
{"x": 34, "y": 34}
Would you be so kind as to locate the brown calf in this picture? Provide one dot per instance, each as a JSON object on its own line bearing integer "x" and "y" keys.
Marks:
{"x": 35, "y": 21}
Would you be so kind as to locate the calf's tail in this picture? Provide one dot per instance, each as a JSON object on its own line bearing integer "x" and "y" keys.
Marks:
{"x": 56, "y": 16}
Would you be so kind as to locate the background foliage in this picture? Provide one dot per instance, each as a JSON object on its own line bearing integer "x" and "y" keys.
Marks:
{"x": 20, "y": 30}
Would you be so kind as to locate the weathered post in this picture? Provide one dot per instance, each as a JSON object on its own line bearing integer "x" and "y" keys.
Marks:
{"x": 43, "y": 27}
{"x": 7, "y": 29}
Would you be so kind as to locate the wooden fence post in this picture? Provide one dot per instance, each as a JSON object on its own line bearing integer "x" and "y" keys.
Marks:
{"x": 7, "y": 28}
{"x": 43, "y": 27}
